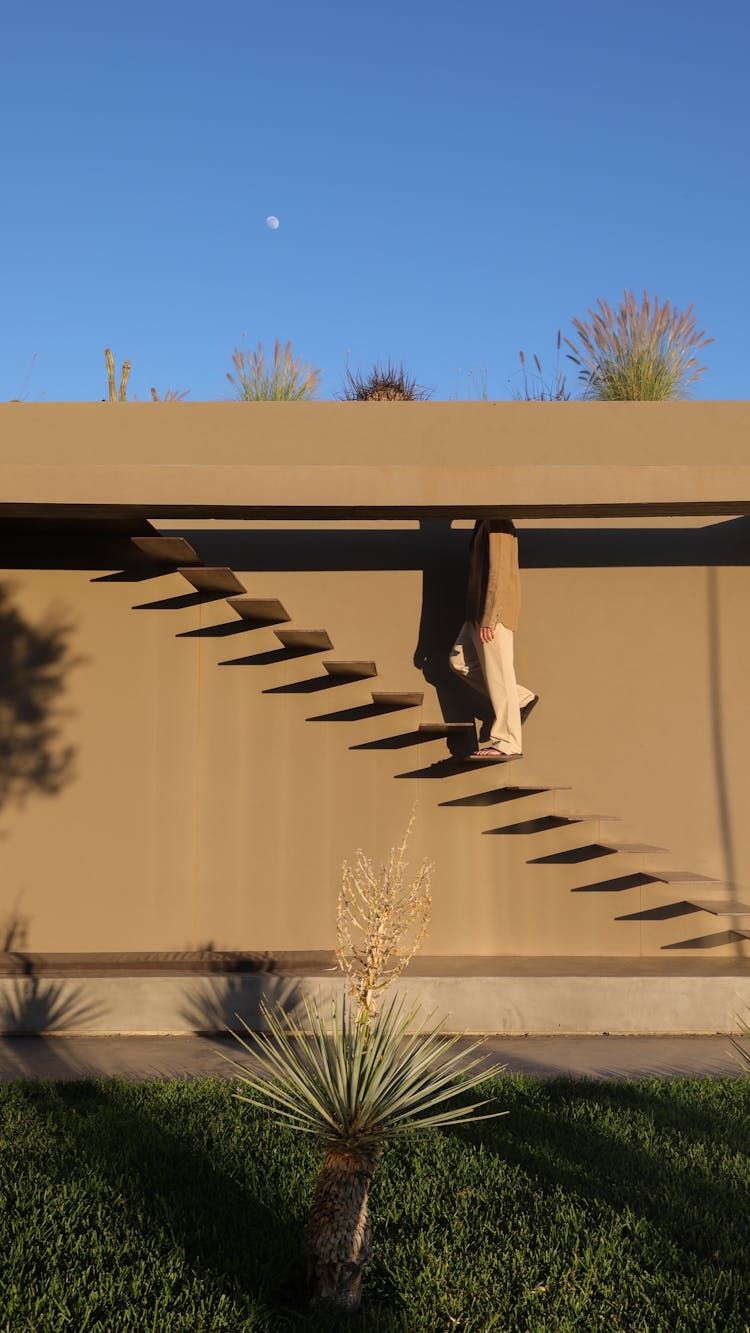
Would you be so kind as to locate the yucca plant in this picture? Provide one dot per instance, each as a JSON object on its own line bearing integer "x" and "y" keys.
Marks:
{"x": 384, "y": 383}
{"x": 116, "y": 395}
{"x": 354, "y": 1088}
{"x": 360, "y": 1077}
{"x": 286, "y": 380}
{"x": 644, "y": 351}
{"x": 537, "y": 389}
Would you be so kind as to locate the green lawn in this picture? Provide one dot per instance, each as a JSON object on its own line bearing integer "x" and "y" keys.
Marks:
{"x": 171, "y": 1206}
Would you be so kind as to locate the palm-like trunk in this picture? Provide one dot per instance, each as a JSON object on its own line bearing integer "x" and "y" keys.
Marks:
{"x": 339, "y": 1235}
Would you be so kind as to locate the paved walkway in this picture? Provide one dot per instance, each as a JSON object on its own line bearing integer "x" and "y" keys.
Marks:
{"x": 198, "y": 1057}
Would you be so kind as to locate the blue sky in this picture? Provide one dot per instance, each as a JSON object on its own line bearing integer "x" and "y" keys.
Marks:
{"x": 454, "y": 182}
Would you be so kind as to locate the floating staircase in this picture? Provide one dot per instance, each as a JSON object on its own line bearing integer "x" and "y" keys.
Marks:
{"x": 700, "y": 892}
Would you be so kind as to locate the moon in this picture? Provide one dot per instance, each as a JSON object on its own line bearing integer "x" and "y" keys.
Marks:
{"x": 272, "y": 222}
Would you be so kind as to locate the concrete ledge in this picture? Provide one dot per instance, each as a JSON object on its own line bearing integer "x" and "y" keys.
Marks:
{"x": 670, "y": 1002}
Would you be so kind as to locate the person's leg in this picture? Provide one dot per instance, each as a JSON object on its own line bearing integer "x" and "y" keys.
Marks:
{"x": 506, "y": 696}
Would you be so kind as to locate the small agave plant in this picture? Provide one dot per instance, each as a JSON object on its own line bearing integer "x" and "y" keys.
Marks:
{"x": 358, "y": 1077}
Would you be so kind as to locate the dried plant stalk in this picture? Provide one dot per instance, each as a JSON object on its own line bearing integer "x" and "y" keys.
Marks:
{"x": 115, "y": 395}
{"x": 383, "y": 916}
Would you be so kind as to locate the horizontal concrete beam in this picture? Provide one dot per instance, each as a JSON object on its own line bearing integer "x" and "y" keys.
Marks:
{"x": 178, "y": 491}
{"x": 233, "y": 460}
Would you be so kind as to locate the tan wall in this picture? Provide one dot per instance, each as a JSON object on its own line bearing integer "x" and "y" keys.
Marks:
{"x": 201, "y": 808}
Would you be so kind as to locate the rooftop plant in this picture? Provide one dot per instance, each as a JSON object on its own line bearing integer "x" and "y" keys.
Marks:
{"x": 535, "y": 388}
{"x": 285, "y": 380}
{"x": 116, "y": 395}
{"x": 644, "y": 350}
{"x": 384, "y": 383}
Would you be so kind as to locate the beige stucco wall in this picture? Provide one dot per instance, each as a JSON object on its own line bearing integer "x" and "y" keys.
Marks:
{"x": 203, "y": 809}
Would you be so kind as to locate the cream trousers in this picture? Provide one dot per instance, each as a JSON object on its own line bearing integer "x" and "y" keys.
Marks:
{"x": 488, "y": 667}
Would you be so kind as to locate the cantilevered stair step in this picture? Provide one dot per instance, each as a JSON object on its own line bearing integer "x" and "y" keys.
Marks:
{"x": 397, "y": 699}
{"x": 305, "y": 640}
{"x": 168, "y": 550}
{"x": 266, "y": 609}
{"x": 578, "y": 817}
{"x": 445, "y": 728}
{"x": 720, "y": 906}
{"x": 212, "y": 579}
{"x": 633, "y": 848}
{"x": 678, "y": 876}
{"x": 351, "y": 670}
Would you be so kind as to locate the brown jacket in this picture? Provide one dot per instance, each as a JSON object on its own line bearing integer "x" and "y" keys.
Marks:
{"x": 494, "y": 591}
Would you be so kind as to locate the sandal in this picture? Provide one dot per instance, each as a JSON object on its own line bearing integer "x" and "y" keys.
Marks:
{"x": 489, "y": 755}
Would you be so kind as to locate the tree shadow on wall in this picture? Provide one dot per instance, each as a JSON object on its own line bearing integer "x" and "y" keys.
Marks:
{"x": 34, "y": 664}
{"x": 225, "y": 1002}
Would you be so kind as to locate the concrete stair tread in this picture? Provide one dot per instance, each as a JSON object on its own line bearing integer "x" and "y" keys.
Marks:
{"x": 578, "y": 817}
{"x": 315, "y": 640}
{"x": 168, "y": 550}
{"x": 721, "y": 906}
{"x": 632, "y": 848}
{"x": 259, "y": 608}
{"x": 216, "y": 578}
{"x": 677, "y": 876}
{"x": 351, "y": 670}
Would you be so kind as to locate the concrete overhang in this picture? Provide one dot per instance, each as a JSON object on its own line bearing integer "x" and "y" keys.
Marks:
{"x": 374, "y": 460}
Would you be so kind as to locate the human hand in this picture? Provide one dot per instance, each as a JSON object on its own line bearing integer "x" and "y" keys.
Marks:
{"x": 487, "y": 633}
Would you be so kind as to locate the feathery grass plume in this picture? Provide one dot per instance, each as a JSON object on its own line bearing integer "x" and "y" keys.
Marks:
{"x": 535, "y": 388}
{"x": 644, "y": 351}
{"x": 383, "y": 916}
{"x": 355, "y": 1089}
{"x": 115, "y": 395}
{"x": 384, "y": 383}
{"x": 286, "y": 381}
{"x": 171, "y": 396}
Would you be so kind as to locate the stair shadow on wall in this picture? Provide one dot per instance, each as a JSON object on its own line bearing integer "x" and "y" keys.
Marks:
{"x": 614, "y": 885}
{"x": 227, "y": 629}
{"x": 712, "y": 941}
{"x": 182, "y": 602}
{"x": 272, "y": 656}
{"x": 495, "y": 797}
{"x": 444, "y": 768}
{"x": 573, "y": 855}
{"x": 356, "y": 714}
{"x": 542, "y": 824}
{"x": 311, "y": 685}
{"x": 402, "y": 741}
{"x": 667, "y": 912}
